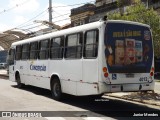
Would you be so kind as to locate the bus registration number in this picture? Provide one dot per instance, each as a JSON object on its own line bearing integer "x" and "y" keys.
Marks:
{"x": 143, "y": 79}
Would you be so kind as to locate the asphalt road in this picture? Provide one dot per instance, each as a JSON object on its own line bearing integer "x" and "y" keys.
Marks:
{"x": 37, "y": 99}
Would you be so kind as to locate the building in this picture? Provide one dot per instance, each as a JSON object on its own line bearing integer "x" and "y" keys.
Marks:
{"x": 152, "y": 3}
{"x": 81, "y": 14}
{"x": 102, "y": 8}
{"x": 91, "y": 13}
{"x": 155, "y": 4}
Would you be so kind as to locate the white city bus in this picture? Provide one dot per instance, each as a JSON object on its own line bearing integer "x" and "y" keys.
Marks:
{"x": 92, "y": 59}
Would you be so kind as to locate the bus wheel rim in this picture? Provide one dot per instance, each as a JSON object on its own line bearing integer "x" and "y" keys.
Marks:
{"x": 56, "y": 89}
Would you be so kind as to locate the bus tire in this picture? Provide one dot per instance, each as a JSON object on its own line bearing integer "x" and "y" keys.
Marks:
{"x": 18, "y": 80}
{"x": 56, "y": 89}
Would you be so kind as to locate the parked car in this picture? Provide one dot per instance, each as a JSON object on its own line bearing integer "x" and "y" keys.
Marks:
{"x": 3, "y": 65}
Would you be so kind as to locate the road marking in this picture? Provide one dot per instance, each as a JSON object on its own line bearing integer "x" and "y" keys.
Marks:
{"x": 82, "y": 118}
{"x": 55, "y": 118}
{"x": 98, "y": 118}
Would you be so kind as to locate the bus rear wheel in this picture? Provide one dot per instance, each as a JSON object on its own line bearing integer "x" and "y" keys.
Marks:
{"x": 18, "y": 80}
{"x": 56, "y": 89}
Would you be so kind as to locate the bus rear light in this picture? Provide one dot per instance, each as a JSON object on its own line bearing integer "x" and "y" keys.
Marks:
{"x": 152, "y": 69}
{"x": 151, "y": 74}
{"x": 105, "y": 74}
{"x": 104, "y": 69}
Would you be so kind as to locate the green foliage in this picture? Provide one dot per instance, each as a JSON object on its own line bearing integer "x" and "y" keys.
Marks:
{"x": 122, "y": 3}
{"x": 139, "y": 13}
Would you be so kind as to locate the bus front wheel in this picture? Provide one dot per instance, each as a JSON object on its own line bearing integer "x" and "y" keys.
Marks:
{"x": 18, "y": 80}
{"x": 56, "y": 89}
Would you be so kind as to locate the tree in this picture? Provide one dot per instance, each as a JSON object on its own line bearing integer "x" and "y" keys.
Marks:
{"x": 139, "y": 13}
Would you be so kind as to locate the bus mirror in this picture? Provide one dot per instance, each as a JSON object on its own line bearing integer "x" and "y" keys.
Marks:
{"x": 105, "y": 17}
{"x": 9, "y": 60}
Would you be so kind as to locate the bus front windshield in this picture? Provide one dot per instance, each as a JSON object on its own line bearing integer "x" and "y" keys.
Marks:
{"x": 128, "y": 48}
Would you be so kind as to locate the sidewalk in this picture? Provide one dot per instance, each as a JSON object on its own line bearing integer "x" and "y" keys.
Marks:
{"x": 3, "y": 74}
{"x": 150, "y": 97}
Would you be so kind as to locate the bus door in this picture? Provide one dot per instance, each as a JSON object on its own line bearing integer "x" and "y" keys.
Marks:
{"x": 128, "y": 53}
{"x": 11, "y": 63}
{"x": 90, "y": 59}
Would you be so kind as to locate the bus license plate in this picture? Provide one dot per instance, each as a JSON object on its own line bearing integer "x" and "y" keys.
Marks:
{"x": 129, "y": 75}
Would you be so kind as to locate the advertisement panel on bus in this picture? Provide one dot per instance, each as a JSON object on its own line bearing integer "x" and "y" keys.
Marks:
{"x": 128, "y": 48}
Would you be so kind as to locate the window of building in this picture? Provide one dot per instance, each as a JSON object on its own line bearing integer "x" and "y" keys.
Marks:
{"x": 91, "y": 44}
{"x": 44, "y": 49}
{"x": 74, "y": 46}
{"x": 25, "y": 51}
{"x": 57, "y": 46}
{"x": 81, "y": 22}
{"x": 33, "y": 50}
{"x": 18, "y": 52}
{"x": 76, "y": 23}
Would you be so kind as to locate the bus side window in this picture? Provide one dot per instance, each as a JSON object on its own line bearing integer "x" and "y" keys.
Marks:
{"x": 25, "y": 51}
{"x": 57, "y": 47}
{"x": 18, "y": 52}
{"x": 11, "y": 57}
{"x": 33, "y": 50}
{"x": 91, "y": 44}
{"x": 44, "y": 49}
{"x": 73, "y": 47}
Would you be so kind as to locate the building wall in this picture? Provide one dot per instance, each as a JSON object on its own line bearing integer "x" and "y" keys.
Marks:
{"x": 90, "y": 13}
{"x": 99, "y": 3}
{"x": 152, "y": 3}
{"x": 81, "y": 14}
{"x": 102, "y": 11}
{"x": 81, "y": 18}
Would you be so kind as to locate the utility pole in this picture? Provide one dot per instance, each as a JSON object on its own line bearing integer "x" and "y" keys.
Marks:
{"x": 50, "y": 11}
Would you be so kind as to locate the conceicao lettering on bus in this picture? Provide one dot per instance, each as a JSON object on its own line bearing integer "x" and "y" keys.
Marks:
{"x": 38, "y": 67}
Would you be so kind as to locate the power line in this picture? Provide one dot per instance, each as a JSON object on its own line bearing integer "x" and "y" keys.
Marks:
{"x": 61, "y": 15}
{"x": 23, "y": 24}
{"x": 34, "y": 24}
{"x": 17, "y": 5}
{"x": 61, "y": 20}
{"x": 42, "y": 25}
{"x": 26, "y": 25}
{"x": 73, "y": 4}
{"x": 47, "y": 10}
{"x": 31, "y": 18}
{"x": 33, "y": 27}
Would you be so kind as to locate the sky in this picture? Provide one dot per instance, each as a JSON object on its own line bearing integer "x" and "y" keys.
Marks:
{"x": 21, "y": 14}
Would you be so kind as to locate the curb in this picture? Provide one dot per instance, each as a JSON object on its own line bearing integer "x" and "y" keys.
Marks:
{"x": 134, "y": 100}
{"x": 4, "y": 76}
